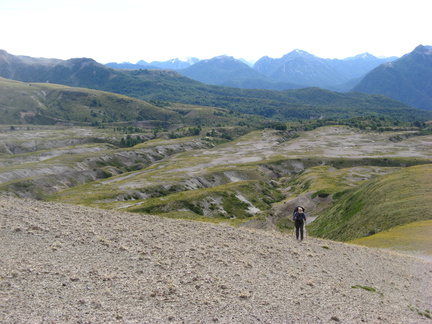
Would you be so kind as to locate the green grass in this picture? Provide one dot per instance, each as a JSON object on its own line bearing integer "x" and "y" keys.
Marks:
{"x": 48, "y": 103}
{"x": 395, "y": 199}
{"x": 367, "y": 288}
{"x": 426, "y": 313}
{"x": 328, "y": 180}
{"x": 412, "y": 238}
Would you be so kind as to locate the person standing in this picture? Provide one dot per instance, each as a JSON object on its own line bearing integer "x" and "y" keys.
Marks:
{"x": 299, "y": 218}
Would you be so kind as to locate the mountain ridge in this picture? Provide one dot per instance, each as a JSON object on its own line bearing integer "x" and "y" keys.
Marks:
{"x": 306, "y": 69}
{"x": 230, "y": 72}
{"x": 408, "y": 79}
{"x": 297, "y": 69}
{"x": 171, "y": 86}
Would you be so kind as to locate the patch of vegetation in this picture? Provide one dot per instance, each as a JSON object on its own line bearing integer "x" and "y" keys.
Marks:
{"x": 320, "y": 194}
{"x": 426, "y": 313}
{"x": 398, "y": 198}
{"x": 333, "y": 178}
{"x": 367, "y": 288}
{"x": 339, "y": 194}
{"x": 285, "y": 224}
{"x": 413, "y": 237}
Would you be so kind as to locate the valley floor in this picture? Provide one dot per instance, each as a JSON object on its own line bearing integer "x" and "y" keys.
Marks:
{"x": 66, "y": 263}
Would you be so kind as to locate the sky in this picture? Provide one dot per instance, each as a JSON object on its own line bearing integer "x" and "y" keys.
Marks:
{"x": 159, "y": 30}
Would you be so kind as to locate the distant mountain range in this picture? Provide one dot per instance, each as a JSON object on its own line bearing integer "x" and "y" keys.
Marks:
{"x": 307, "y": 70}
{"x": 230, "y": 72}
{"x": 295, "y": 70}
{"x": 171, "y": 86}
{"x": 407, "y": 79}
{"x": 173, "y": 64}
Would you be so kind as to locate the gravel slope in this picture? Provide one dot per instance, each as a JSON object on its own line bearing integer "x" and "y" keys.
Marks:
{"x": 70, "y": 264}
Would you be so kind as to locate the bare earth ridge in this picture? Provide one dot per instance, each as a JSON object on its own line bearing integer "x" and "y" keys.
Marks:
{"x": 62, "y": 263}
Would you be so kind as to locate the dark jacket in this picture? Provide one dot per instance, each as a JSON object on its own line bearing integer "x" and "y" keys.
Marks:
{"x": 299, "y": 217}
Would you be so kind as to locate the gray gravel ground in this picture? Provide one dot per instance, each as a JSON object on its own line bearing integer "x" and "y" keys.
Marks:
{"x": 70, "y": 264}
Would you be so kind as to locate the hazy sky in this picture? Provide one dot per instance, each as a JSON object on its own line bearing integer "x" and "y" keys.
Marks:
{"x": 131, "y": 30}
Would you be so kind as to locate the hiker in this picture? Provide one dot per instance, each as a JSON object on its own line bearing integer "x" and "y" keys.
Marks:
{"x": 299, "y": 219}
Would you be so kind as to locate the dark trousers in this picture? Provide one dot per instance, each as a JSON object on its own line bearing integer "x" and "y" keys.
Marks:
{"x": 299, "y": 229}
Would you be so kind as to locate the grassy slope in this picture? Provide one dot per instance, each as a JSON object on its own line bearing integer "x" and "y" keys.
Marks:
{"x": 412, "y": 238}
{"x": 327, "y": 180}
{"x": 395, "y": 199}
{"x": 44, "y": 103}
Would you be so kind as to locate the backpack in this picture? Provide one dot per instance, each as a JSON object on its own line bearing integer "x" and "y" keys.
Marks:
{"x": 295, "y": 212}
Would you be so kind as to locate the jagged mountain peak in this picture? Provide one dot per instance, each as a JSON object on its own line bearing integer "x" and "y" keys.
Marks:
{"x": 422, "y": 49}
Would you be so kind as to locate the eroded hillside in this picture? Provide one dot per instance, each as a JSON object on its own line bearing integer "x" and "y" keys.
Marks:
{"x": 257, "y": 176}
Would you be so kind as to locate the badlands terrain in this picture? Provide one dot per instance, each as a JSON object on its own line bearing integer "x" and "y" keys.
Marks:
{"x": 62, "y": 263}
{"x": 65, "y": 263}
